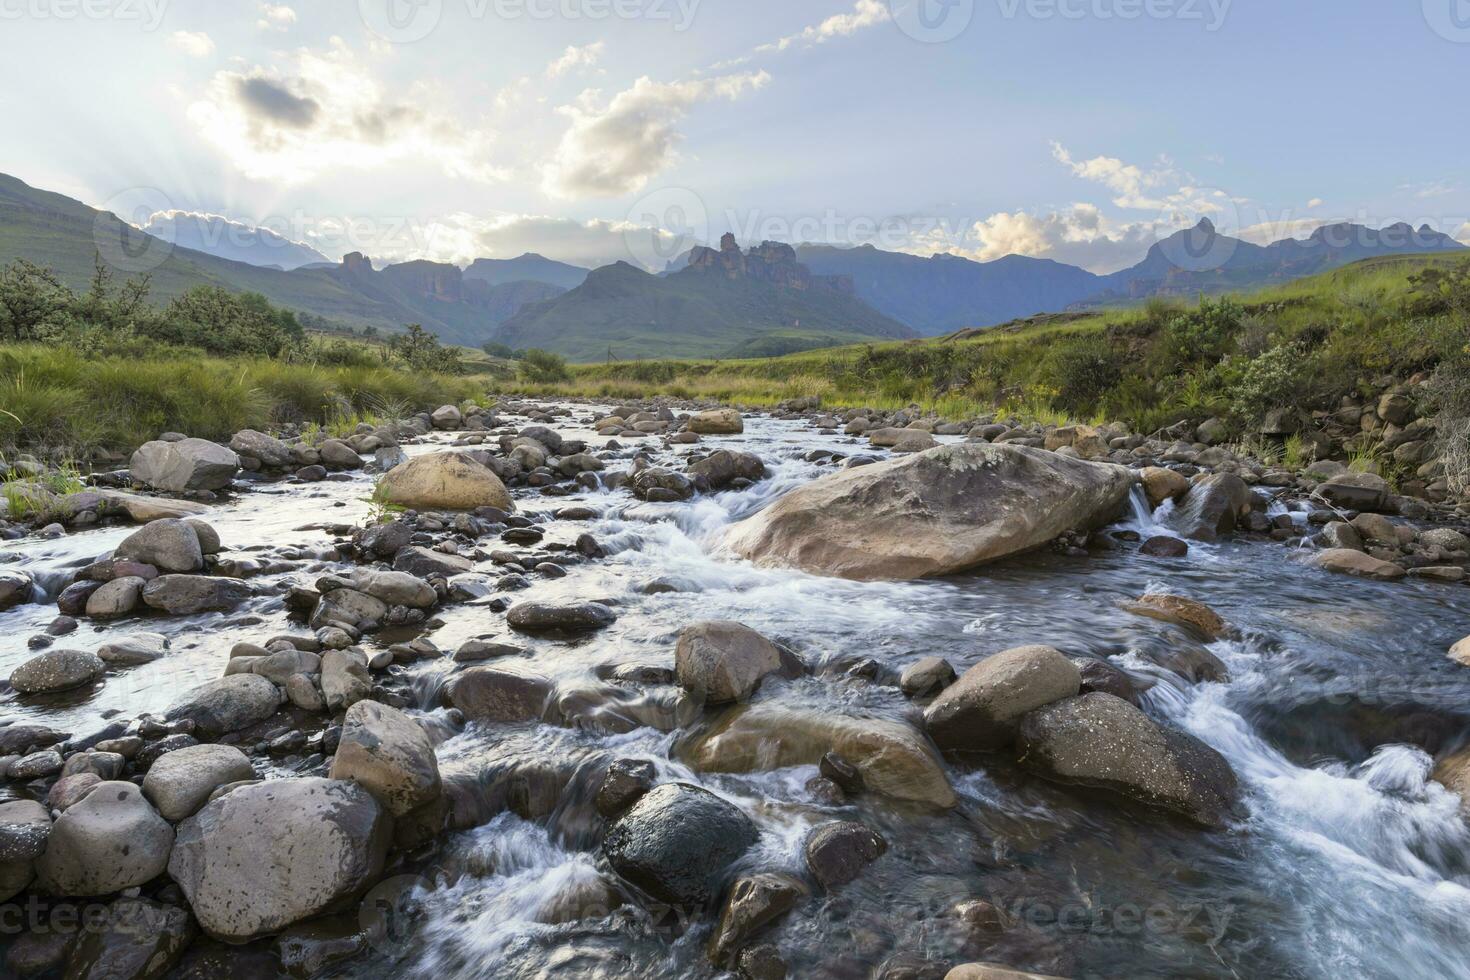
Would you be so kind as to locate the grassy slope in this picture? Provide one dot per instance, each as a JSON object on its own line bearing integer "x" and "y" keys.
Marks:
{"x": 1352, "y": 319}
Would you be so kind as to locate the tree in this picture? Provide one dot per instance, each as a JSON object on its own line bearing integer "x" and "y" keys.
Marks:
{"x": 419, "y": 350}
{"x": 33, "y": 301}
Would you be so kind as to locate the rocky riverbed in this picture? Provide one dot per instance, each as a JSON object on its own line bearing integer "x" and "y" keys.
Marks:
{"x": 648, "y": 691}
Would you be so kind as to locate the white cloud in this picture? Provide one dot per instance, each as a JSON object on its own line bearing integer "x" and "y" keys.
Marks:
{"x": 1430, "y": 188}
{"x": 866, "y": 13}
{"x": 614, "y": 148}
{"x": 275, "y": 17}
{"x": 324, "y": 111}
{"x": 461, "y": 238}
{"x": 195, "y": 44}
{"x": 1315, "y": 202}
{"x": 1079, "y": 235}
{"x": 574, "y": 57}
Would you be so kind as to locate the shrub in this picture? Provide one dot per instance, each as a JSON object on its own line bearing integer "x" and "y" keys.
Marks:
{"x": 419, "y": 350}
{"x": 1203, "y": 334}
{"x": 1085, "y": 372}
{"x": 544, "y": 367}
{"x": 1271, "y": 381}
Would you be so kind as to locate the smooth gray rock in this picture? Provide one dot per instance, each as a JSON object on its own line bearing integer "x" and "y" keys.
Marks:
{"x": 180, "y": 782}
{"x": 110, "y": 840}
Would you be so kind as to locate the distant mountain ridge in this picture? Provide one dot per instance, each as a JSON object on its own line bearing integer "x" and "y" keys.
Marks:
{"x": 529, "y": 267}
{"x": 226, "y": 239}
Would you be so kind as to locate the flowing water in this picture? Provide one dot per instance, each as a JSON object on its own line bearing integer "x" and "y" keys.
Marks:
{"x": 1349, "y": 862}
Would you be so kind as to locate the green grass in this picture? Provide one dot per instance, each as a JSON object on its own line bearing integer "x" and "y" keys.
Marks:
{"x": 58, "y": 401}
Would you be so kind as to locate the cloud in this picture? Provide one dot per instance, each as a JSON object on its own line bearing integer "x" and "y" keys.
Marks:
{"x": 613, "y": 149}
{"x": 574, "y": 58}
{"x": 323, "y": 110}
{"x": 195, "y": 44}
{"x": 1079, "y": 235}
{"x": 1425, "y": 190}
{"x": 275, "y": 17}
{"x": 461, "y": 238}
{"x": 1315, "y": 202}
{"x": 866, "y": 13}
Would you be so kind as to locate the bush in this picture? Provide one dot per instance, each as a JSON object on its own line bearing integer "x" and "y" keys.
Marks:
{"x": 543, "y": 367}
{"x": 1204, "y": 333}
{"x": 419, "y": 350}
{"x": 1085, "y": 373}
{"x": 1271, "y": 381}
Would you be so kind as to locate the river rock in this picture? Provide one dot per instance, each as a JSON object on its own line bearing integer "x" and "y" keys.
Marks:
{"x": 396, "y": 588}
{"x": 500, "y": 694}
{"x": 227, "y": 705}
{"x": 25, "y": 827}
{"x": 570, "y": 617}
{"x": 1161, "y": 484}
{"x": 723, "y": 467}
{"x": 982, "y": 710}
{"x": 719, "y": 421}
{"x": 753, "y": 903}
{"x": 350, "y": 607}
{"x": 836, "y": 853}
{"x": 339, "y": 456}
{"x": 926, "y": 676}
{"x": 424, "y": 562}
{"x": 937, "y": 512}
{"x": 271, "y": 854}
{"x": 723, "y": 661}
{"x": 169, "y": 545}
{"x": 894, "y": 759}
{"x": 110, "y": 840}
{"x": 56, "y": 670}
{"x": 1357, "y": 563}
{"x": 189, "y": 464}
{"x": 188, "y": 595}
{"x": 272, "y": 453}
{"x": 624, "y": 783}
{"x": 387, "y": 753}
{"x": 1181, "y": 611}
{"x": 676, "y": 841}
{"x": 180, "y": 782}
{"x": 139, "y": 940}
{"x": 1213, "y": 506}
{"x": 1103, "y": 742}
{"x": 143, "y": 509}
{"x": 661, "y": 486}
{"x": 130, "y": 651}
{"x": 1460, "y": 652}
{"x": 115, "y": 599}
{"x": 345, "y": 678}
{"x": 444, "y": 481}
{"x": 15, "y": 588}
{"x": 989, "y": 971}
{"x": 1356, "y": 491}
{"x": 21, "y": 737}
{"x": 1453, "y": 772}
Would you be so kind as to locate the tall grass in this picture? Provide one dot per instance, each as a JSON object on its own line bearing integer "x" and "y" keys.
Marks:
{"x": 56, "y": 399}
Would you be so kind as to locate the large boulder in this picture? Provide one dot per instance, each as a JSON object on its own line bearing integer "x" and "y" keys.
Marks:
{"x": 660, "y": 486}
{"x": 1213, "y": 506}
{"x": 168, "y": 545}
{"x": 271, "y": 854}
{"x": 269, "y": 451}
{"x": 723, "y": 467}
{"x": 933, "y": 513}
{"x": 982, "y": 710}
{"x": 565, "y": 617}
{"x": 387, "y": 753}
{"x": 676, "y": 841}
{"x": 141, "y": 509}
{"x": 56, "y": 670}
{"x": 1160, "y": 484}
{"x": 1356, "y": 491}
{"x": 719, "y": 421}
{"x": 893, "y": 759}
{"x": 228, "y": 705}
{"x": 186, "y": 465}
{"x": 395, "y": 588}
{"x": 444, "y": 481}
{"x": 345, "y": 678}
{"x": 351, "y": 608}
{"x": 1101, "y": 741}
{"x": 723, "y": 661}
{"x": 109, "y": 840}
{"x": 180, "y": 782}
{"x": 500, "y": 694}
{"x": 15, "y": 588}
{"x": 186, "y": 595}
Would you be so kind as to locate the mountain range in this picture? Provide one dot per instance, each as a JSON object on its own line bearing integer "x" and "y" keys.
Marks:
{"x": 711, "y": 303}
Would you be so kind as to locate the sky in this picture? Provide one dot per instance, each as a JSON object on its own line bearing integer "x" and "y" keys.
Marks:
{"x": 602, "y": 130}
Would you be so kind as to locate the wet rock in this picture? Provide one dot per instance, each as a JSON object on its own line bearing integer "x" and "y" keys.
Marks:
{"x": 110, "y": 840}
{"x": 227, "y": 705}
{"x": 425, "y": 563}
{"x": 187, "y": 595}
{"x": 115, "y": 599}
{"x": 189, "y": 464}
{"x": 37, "y": 765}
{"x": 35, "y": 954}
{"x": 180, "y": 782}
{"x": 139, "y": 940}
{"x": 570, "y": 617}
{"x": 345, "y": 678}
{"x": 23, "y": 736}
{"x": 1453, "y": 772}
{"x": 444, "y": 481}
{"x": 926, "y": 676}
{"x": 396, "y": 588}
{"x": 144, "y": 509}
{"x": 387, "y": 753}
{"x": 625, "y": 783}
{"x": 676, "y": 842}
{"x": 56, "y": 670}
{"x": 1101, "y": 675}
{"x": 73, "y": 599}
{"x": 1181, "y": 611}
{"x": 720, "y": 421}
{"x": 25, "y": 827}
{"x": 837, "y": 853}
{"x": 154, "y": 751}
{"x": 937, "y": 512}
{"x": 168, "y": 545}
{"x": 1356, "y": 491}
{"x": 68, "y": 791}
{"x": 500, "y": 694}
{"x": 661, "y": 486}
{"x": 477, "y": 651}
{"x": 1163, "y": 546}
{"x": 130, "y": 651}
{"x": 753, "y": 903}
{"x": 724, "y": 661}
{"x": 1103, "y": 742}
{"x": 1460, "y": 652}
{"x": 842, "y": 773}
{"x": 982, "y": 710}
{"x": 272, "y": 854}
{"x": 15, "y": 589}
{"x": 1356, "y": 563}
{"x": 337, "y": 455}
{"x": 989, "y": 971}
{"x": 723, "y": 467}
{"x": 349, "y": 607}
{"x": 271, "y": 452}
{"x": 1160, "y": 484}
{"x": 894, "y": 759}
{"x": 1214, "y": 505}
